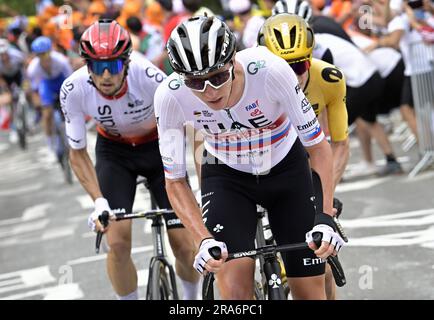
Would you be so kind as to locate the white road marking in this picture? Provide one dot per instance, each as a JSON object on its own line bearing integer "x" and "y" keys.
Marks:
{"x": 21, "y": 190}
{"x": 104, "y": 256}
{"x": 85, "y": 202}
{"x": 25, "y": 279}
{"x": 360, "y": 185}
{"x": 70, "y": 291}
{"x": 423, "y": 238}
{"x": 423, "y": 217}
{"x": 58, "y": 232}
{"x": 31, "y": 213}
{"x": 24, "y": 227}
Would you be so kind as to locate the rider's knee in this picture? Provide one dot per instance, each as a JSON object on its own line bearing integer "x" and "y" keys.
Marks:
{"x": 120, "y": 249}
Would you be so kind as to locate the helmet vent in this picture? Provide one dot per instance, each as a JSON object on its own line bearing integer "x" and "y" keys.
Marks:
{"x": 89, "y": 46}
{"x": 119, "y": 46}
{"x": 292, "y": 36}
{"x": 310, "y": 36}
{"x": 279, "y": 38}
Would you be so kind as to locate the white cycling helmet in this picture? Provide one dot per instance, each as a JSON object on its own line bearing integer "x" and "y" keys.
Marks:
{"x": 4, "y": 45}
{"x": 200, "y": 45}
{"x": 301, "y": 8}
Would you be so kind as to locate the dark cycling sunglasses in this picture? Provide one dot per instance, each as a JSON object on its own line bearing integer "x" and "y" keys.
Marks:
{"x": 113, "y": 66}
{"x": 216, "y": 81}
{"x": 300, "y": 67}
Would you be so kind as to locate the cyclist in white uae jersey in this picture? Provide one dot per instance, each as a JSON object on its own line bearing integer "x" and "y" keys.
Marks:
{"x": 118, "y": 94}
{"x": 253, "y": 115}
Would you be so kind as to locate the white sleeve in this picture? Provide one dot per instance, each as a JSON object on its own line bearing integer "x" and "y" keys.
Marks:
{"x": 32, "y": 75}
{"x": 251, "y": 31}
{"x": 71, "y": 100}
{"x": 397, "y": 23}
{"x": 320, "y": 47}
{"x": 282, "y": 86}
{"x": 171, "y": 131}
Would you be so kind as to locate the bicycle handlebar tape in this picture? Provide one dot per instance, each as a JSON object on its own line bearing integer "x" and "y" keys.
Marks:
{"x": 215, "y": 252}
{"x": 335, "y": 265}
{"x": 337, "y": 270}
{"x": 103, "y": 218}
{"x": 338, "y": 205}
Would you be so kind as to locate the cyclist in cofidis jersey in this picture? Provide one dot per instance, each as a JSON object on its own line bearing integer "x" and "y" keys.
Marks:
{"x": 324, "y": 87}
{"x": 116, "y": 88}
{"x": 248, "y": 106}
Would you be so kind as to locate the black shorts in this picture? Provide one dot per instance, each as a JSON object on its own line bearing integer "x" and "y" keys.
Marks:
{"x": 407, "y": 94}
{"x": 117, "y": 168}
{"x": 393, "y": 85}
{"x": 17, "y": 78}
{"x": 364, "y": 101}
{"x": 229, "y": 199}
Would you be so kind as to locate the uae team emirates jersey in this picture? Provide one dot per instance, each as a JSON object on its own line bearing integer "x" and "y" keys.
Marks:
{"x": 251, "y": 136}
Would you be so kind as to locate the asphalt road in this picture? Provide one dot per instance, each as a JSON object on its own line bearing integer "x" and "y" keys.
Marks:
{"x": 47, "y": 251}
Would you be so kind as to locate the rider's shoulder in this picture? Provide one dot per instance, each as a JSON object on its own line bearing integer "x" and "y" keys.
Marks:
{"x": 78, "y": 79}
{"x": 326, "y": 74}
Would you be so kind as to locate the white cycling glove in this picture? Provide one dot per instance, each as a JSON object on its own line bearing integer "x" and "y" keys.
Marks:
{"x": 101, "y": 205}
{"x": 203, "y": 255}
{"x": 325, "y": 225}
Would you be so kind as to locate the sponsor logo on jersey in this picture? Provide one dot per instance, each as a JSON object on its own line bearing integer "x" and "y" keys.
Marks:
{"x": 73, "y": 140}
{"x": 252, "y": 106}
{"x": 175, "y": 84}
{"x": 136, "y": 103}
{"x": 297, "y": 89}
{"x": 305, "y": 105}
{"x": 65, "y": 90}
{"x": 253, "y": 67}
{"x": 307, "y": 125}
{"x": 153, "y": 73}
{"x": 256, "y": 113}
{"x": 107, "y": 121}
{"x": 332, "y": 74}
{"x": 205, "y": 113}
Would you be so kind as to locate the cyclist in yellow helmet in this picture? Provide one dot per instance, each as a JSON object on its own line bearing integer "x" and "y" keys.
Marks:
{"x": 289, "y": 37}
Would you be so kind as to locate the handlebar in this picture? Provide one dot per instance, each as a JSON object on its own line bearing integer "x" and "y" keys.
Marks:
{"x": 104, "y": 219}
{"x": 338, "y": 272}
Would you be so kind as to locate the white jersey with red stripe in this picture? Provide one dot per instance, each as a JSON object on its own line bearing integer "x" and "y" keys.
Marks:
{"x": 128, "y": 118}
{"x": 253, "y": 135}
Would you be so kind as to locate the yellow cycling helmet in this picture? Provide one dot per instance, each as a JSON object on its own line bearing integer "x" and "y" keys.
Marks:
{"x": 287, "y": 36}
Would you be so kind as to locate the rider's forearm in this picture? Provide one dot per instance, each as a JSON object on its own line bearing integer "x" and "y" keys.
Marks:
{"x": 85, "y": 172}
{"x": 321, "y": 160}
{"x": 341, "y": 153}
{"x": 183, "y": 202}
